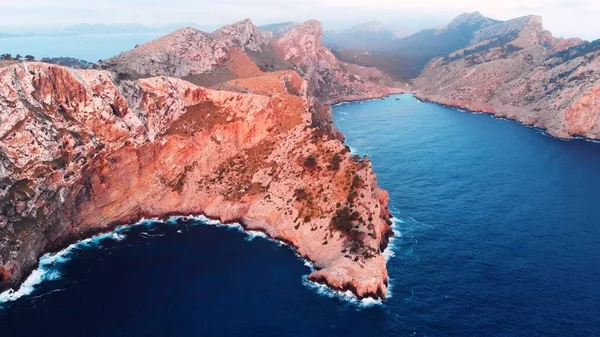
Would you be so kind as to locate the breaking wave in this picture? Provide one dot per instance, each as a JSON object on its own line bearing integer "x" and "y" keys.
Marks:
{"x": 48, "y": 268}
{"x": 345, "y": 296}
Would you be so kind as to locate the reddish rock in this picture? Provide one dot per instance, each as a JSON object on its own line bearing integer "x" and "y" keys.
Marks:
{"x": 330, "y": 80}
{"x": 241, "y": 50}
{"x": 82, "y": 152}
{"x": 516, "y": 69}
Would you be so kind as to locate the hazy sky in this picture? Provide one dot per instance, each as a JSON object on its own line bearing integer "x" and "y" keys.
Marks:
{"x": 562, "y": 17}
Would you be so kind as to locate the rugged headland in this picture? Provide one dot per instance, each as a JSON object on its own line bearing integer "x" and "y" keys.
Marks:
{"x": 142, "y": 135}
{"x": 517, "y": 70}
{"x": 513, "y": 69}
{"x": 84, "y": 151}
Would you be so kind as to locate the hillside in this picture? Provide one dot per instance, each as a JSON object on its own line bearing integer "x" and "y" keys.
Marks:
{"x": 518, "y": 70}
{"x": 242, "y": 50}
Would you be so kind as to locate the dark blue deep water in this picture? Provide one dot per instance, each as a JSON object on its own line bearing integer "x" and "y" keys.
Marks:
{"x": 499, "y": 236}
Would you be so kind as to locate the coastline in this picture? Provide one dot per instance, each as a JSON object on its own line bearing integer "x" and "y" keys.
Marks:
{"x": 329, "y": 278}
{"x": 365, "y": 98}
{"x": 58, "y": 250}
{"x": 498, "y": 115}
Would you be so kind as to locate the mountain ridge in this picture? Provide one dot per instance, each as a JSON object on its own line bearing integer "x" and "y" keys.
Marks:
{"x": 242, "y": 50}
{"x": 518, "y": 70}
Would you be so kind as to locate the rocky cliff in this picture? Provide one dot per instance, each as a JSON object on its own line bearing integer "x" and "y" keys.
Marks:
{"x": 82, "y": 151}
{"x": 329, "y": 79}
{"x": 197, "y": 56}
{"x": 518, "y": 70}
{"x": 242, "y": 50}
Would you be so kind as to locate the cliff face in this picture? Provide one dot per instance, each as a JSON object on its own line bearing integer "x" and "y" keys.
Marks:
{"x": 517, "y": 70}
{"x": 242, "y": 50}
{"x": 81, "y": 152}
{"x": 329, "y": 79}
{"x": 197, "y": 56}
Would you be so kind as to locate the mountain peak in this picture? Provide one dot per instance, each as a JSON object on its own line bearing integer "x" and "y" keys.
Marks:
{"x": 530, "y": 23}
{"x": 184, "y": 30}
{"x": 310, "y": 27}
{"x": 312, "y": 23}
{"x": 243, "y": 33}
{"x": 469, "y": 16}
{"x": 475, "y": 20}
{"x": 302, "y": 42}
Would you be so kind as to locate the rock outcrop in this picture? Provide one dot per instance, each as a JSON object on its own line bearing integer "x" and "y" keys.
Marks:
{"x": 82, "y": 151}
{"x": 197, "y": 56}
{"x": 329, "y": 79}
{"x": 518, "y": 70}
{"x": 242, "y": 50}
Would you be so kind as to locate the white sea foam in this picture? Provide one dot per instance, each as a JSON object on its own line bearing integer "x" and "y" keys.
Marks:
{"x": 118, "y": 236}
{"x": 150, "y": 235}
{"x": 345, "y": 296}
{"x": 47, "y": 268}
{"x": 251, "y": 235}
{"x": 341, "y": 103}
{"x": 389, "y": 251}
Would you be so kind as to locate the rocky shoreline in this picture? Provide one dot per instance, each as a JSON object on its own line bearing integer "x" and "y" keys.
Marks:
{"x": 487, "y": 109}
{"x": 57, "y": 247}
{"x": 176, "y": 148}
{"x": 519, "y": 71}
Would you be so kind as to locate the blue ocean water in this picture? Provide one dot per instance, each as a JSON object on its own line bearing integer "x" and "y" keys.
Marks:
{"x": 86, "y": 47}
{"x": 499, "y": 236}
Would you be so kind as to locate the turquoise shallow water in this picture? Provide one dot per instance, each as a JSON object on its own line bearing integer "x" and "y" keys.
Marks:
{"x": 499, "y": 235}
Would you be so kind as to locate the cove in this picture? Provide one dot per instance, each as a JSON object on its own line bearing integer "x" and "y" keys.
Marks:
{"x": 499, "y": 234}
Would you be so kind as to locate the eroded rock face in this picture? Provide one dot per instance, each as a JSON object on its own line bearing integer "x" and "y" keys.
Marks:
{"x": 188, "y": 52}
{"x": 81, "y": 152}
{"x": 330, "y": 80}
{"x": 516, "y": 69}
{"x": 242, "y": 50}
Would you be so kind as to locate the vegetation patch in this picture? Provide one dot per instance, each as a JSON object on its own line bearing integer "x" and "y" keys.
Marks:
{"x": 310, "y": 162}
{"x": 300, "y": 194}
{"x": 334, "y": 163}
{"x": 201, "y": 116}
{"x": 180, "y": 181}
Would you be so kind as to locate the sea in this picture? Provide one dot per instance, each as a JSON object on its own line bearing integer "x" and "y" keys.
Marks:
{"x": 497, "y": 234}
{"x": 87, "y": 47}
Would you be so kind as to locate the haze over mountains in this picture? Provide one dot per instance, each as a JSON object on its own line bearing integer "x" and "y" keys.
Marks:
{"x": 518, "y": 70}
{"x": 510, "y": 50}
{"x": 243, "y": 50}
